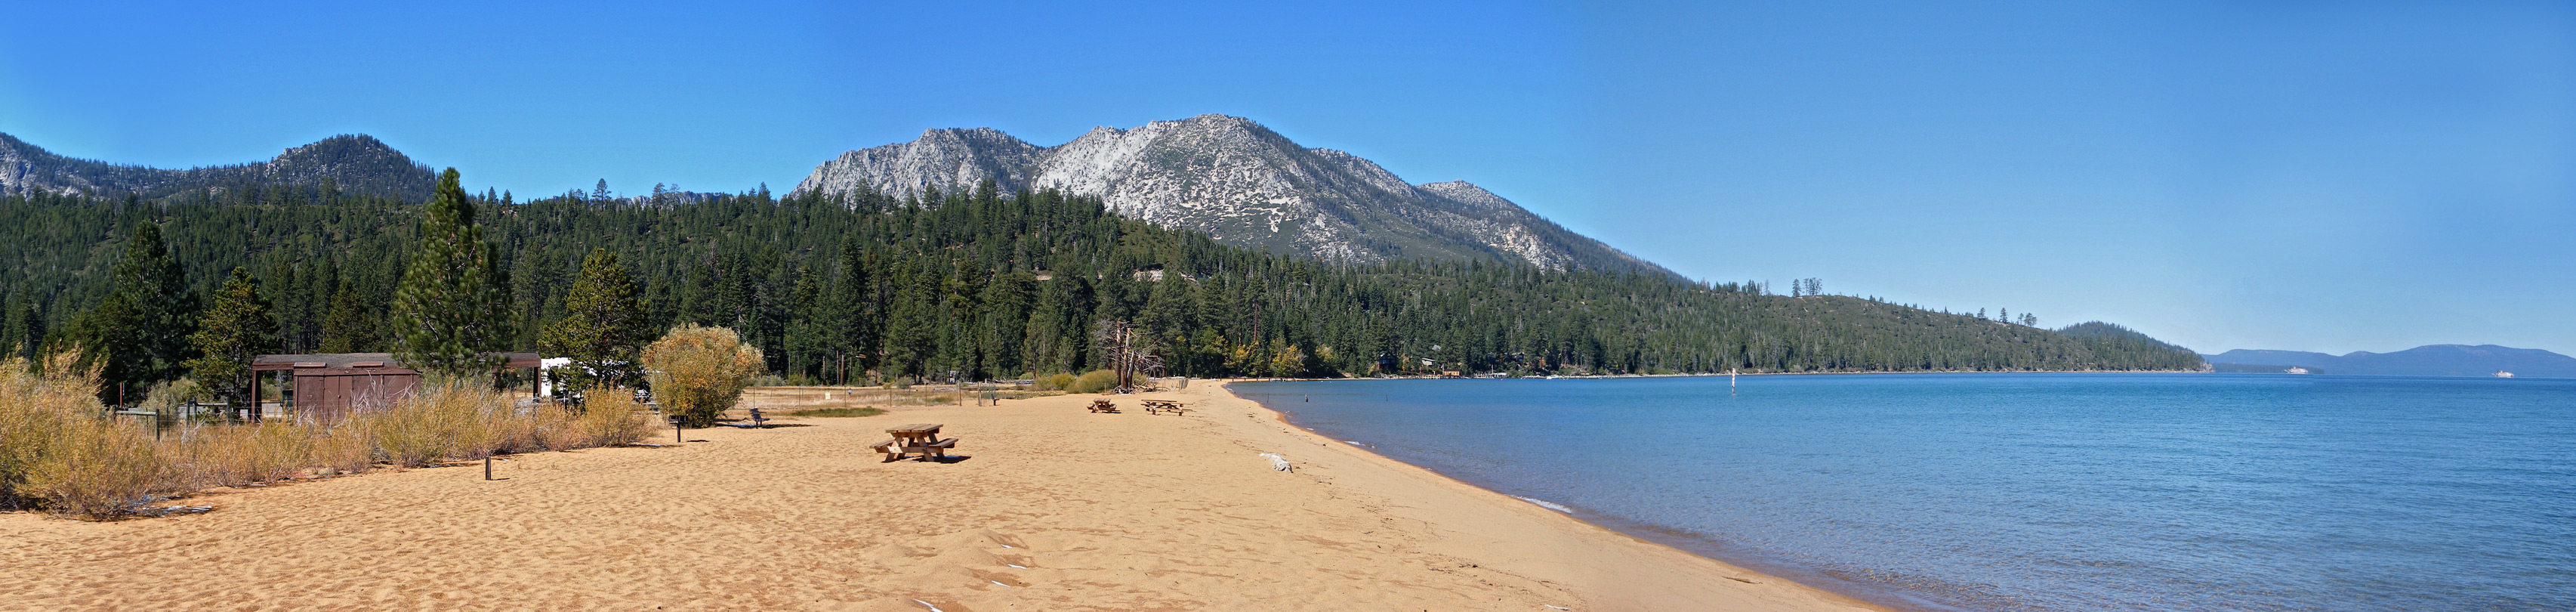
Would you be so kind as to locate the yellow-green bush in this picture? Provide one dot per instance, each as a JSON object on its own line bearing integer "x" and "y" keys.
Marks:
{"x": 611, "y": 419}
{"x": 1094, "y": 381}
{"x": 345, "y": 447}
{"x": 58, "y": 450}
{"x": 96, "y": 469}
{"x": 235, "y": 455}
{"x": 438, "y": 420}
{"x": 1053, "y": 382}
{"x": 699, "y": 372}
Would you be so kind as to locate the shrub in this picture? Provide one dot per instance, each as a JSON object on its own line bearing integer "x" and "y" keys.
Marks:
{"x": 502, "y": 428}
{"x": 32, "y": 406}
{"x": 1053, "y": 382}
{"x": 346, "y": 447}
{"x": 557, "y": 427}
{"x": 95, "y": 469}
{"x": 437, "y": 420}
{"x": 59, "y": 452}
{"x": 699, "y": 372}
{"x": 613, "y": 419}
{"x": 235, "y": 455}
{"x": 1094, "y": 381}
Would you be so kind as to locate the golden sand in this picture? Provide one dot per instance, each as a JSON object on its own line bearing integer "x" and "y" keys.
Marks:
{"x": 1051, "y": 508}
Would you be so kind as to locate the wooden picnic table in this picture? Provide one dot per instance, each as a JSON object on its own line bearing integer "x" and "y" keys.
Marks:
{"x": 920, "y": 438}
{"x": 1102, "y": 405}
{"x": 1161, "y": 406}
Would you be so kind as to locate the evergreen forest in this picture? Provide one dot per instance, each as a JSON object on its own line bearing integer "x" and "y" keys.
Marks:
{"x": 968, "y": 285}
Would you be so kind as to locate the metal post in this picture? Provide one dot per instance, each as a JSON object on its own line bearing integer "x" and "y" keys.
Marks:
{"x": 487, "y": 467}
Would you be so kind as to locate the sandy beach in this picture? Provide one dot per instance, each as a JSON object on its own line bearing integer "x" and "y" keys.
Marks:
{"x": 1050, "y": 508}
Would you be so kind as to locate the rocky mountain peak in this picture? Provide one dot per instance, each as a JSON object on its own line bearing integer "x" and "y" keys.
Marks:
{"x": 356, "y": 163}
{"x": 1237, "y": 181}
{"x": 1469, "y": 194}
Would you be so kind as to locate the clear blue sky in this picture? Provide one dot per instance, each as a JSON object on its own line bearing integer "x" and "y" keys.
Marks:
{"x": 2311, "y": 176}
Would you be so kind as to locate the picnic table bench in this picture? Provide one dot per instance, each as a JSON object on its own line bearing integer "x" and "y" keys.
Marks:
{"x": 1102, "y": 405}
{"x": 1162, "y": 406}
{"x": 920, "y": 438}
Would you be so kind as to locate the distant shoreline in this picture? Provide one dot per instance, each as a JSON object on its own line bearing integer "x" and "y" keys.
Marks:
{"x": 1612, "y": 376}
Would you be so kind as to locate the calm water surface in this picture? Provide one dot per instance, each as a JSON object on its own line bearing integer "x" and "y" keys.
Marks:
{"x": 2033, "y": 491}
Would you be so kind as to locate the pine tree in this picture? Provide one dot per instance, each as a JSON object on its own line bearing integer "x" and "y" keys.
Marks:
{"x": 350, "y": 327}
{"x": 29, "y": 326}
{"x": 138, "y": 335}
{"x": 236, "y": 328}
{"x": 603, "y": 324}
{"x": 449, "y": 309}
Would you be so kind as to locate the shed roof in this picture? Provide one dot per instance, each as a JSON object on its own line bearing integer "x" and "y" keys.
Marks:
{"x": 341, "y": 361}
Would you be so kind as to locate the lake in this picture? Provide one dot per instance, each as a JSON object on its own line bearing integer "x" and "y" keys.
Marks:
{"x": 2031, "y": 491}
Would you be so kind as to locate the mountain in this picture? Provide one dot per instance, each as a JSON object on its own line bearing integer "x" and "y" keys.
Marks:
{"x": 2430, "y": 360}
{"x": 1239, "y": 182}
{"x": 356, "y": 163}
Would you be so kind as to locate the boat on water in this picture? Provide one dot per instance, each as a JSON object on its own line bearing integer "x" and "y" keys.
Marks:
{"x": 2503, "y": 374}
{"x": 2296, "y": 370}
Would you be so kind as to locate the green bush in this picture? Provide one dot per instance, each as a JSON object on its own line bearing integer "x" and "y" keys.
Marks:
{"x": 1094, "y": 381}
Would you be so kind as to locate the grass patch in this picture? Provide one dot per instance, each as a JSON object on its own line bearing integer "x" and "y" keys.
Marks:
{"x": 836, "y": 412}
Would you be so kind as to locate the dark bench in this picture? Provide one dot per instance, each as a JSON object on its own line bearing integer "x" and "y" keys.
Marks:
{"x": 757, "y": 421}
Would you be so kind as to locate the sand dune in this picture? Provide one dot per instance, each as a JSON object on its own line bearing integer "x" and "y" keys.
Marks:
{"x": 1051, "y": 508}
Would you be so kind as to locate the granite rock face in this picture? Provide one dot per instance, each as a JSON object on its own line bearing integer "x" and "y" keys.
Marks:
{"x": 354, "y": 163}
{"x": 1238, "y": 181}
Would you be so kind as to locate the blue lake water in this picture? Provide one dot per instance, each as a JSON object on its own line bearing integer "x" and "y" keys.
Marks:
{"x": 2032, "y": 491}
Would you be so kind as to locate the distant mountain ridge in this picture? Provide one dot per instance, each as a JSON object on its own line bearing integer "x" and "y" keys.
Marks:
{"x": 1239, "y": 182}
{"x": 356, "y": 163}
{"x": 2429, "y": 360}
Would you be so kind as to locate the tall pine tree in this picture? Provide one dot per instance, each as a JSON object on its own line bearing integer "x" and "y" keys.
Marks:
{"x": 450, "y": 308}
{"x": 138, "y": 335}
{"x": 236, "y": 328}
{"x": 603, "y": 325}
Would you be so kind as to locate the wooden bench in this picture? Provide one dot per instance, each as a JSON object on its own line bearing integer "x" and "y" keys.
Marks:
{"x": 896, "y": 449}
{"x": 1103, "y": 406}
{"x": 1162, "y": 406}
{"x": 922, "y": 438}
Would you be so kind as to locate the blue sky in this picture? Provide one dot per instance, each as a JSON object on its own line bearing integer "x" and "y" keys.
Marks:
{"x": 2308, "y": 176}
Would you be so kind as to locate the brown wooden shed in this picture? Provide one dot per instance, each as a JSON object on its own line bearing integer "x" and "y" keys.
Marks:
{"x": 328, "y": 386}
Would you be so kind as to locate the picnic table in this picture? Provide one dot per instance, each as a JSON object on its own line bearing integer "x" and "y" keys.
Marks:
{"x": 920, "y": 438}
{"x": 1102, "y": 405}
{"x": 1162, "y": 406}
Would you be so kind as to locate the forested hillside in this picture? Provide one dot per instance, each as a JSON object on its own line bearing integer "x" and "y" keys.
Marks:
{"x": 989, "y": 286}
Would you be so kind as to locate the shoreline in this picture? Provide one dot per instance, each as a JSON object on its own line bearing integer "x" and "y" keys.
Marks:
{"x": 1568, "y": 519}
{"x": 1694, "y": 375}
{"x": 1046, "y": 507}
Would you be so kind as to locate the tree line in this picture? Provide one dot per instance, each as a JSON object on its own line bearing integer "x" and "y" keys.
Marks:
{"x": 862, "y": 287}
